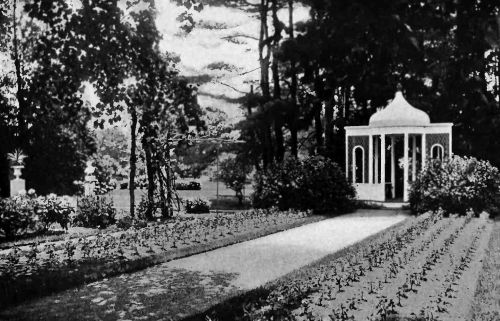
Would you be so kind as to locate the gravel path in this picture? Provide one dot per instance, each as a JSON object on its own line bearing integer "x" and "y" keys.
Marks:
{"x": 185, "y": 286}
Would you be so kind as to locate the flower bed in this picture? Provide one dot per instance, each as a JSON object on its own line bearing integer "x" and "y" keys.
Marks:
{"x": 41, "y": 269}
{"x": 426, "y": 269}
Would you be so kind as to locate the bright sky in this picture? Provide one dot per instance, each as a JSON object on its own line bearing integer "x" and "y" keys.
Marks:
{"x": 203, "y": 46}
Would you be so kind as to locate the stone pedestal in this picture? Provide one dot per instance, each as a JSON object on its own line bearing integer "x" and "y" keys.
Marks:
{"x": 89, "y": 185}
{"x": 17, "y": 185}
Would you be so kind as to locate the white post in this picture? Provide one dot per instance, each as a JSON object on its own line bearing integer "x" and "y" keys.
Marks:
{"x": 424, "y": 151}
{"x": 17, "y": 184}
{"x": 377, "y": 153}
{"x": 370, "y": 160}
{"x": 382, "y": 162}
{"x": 346, "y": 157}
{"x": 405, "y": 170}
{"x": 393, "y": 167}
{"x": 413, "y": 158}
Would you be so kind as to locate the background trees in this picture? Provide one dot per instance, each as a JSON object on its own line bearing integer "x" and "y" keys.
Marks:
{"x": 341, "y": 64}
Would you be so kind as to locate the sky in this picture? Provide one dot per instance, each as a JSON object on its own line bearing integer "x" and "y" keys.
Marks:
{"x": 204, "y": 46}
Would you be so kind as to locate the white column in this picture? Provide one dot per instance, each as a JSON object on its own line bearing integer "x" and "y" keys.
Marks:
{"x": 382, "y": 162}
{"x": 346, "y": 157}
{"x": 393, "y": 167}
{"x": 405, "y": 170}
{"x": 424, "y": 151}
{"x": 370, "y": 160}
{"x": 377, "y": 153}
{"x": 413, "y": 158}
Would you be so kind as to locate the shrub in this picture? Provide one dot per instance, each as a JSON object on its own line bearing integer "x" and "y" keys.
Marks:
{"x": 191, "y": 186}
{"x": 457, "y": 185}
{"x": 16, "y": 216}
{"x": 27, "y": 213}
{"x": 315, "y": 183}
{"x": 127, "y": 222}
{"x": 197, "y": 206}
{"x": 52, "y": 209}
{"x": 95, "y": 212}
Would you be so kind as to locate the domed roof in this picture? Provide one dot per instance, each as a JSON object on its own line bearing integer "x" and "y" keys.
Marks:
{"x": 399, "y": 113}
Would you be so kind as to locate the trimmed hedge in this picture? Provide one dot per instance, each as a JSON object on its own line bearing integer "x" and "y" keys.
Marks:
{"x": 315, "y": 183}
{"x": 457, "y": 185}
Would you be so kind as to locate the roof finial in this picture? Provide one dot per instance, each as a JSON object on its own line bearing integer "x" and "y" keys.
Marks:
{"x": 399, "y": 87}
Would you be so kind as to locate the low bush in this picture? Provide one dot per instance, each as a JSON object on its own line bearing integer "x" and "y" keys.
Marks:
{"x": 95, "y": 212}
{"x": 191, "y": 186}
{"x": 16, "y": 216}
{"x": 127, "y": 222}
{"x": 29, "y": 213}
{"x": 457, "y": 185}
{"x": 53, "y": 209}
{"x": 197, "y": 206}
{"x": 315, "y": 183}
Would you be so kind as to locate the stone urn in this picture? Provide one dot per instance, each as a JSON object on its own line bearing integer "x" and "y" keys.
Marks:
{"x": 17, "y": 171}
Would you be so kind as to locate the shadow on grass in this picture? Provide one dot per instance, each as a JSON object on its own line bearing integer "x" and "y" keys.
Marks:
{"x": 158, "y": 293}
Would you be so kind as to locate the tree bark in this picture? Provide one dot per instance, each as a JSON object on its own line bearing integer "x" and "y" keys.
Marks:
{"x": 133, "y": 160}
{"x": 264, "y": 47}
{"x": 20, "y": 95}
{"x": 293, "y": 90}
{"x": 151, "y": 179}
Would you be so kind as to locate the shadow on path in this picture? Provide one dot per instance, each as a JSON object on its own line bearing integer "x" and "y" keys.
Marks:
{"x": 162, "y": 294}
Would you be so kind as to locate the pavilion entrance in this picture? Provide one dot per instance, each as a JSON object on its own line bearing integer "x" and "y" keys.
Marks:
{"x": 385, "y": 157}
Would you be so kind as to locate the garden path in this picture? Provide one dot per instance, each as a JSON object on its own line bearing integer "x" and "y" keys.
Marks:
{"x": 182, "y": 287}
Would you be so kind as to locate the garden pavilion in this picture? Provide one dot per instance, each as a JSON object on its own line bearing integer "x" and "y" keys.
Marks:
{"x": 384, "y": 158}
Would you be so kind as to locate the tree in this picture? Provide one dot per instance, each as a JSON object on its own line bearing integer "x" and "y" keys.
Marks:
{"x": 234, "y": 173}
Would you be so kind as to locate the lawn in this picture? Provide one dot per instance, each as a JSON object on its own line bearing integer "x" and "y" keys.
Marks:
{"x": 208, "y": 192}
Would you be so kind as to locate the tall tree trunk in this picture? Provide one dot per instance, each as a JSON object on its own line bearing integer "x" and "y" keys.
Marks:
{"x": 133, "y": 160}
{"x": 264, "y": 52}
{"x": 169, "y": 180}
{"x": 293, "y": 89}
{"x": 20, "y": 95}
{"x": 151, "y": 179}
{"x": 329, "y": 127}
{"x": 278, "y": 117}
{"x": 318, "y": 126}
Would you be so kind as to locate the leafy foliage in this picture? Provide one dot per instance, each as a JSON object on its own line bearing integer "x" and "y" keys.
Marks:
{"x": 197, "y": 206}
{"x": 457, "y": 185}
{"x": 16, "y": 216}
{"x": 315, "y": 183}
{"x": 234, "y": 173}
{"x": 95, "y": 212}
{"x": 29, "y": 213}
{"x": 191, "y": 186}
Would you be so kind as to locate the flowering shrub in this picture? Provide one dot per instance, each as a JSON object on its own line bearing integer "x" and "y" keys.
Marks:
{"x": 315, "y": 183}
{"x": 457, "y": 185}
{"x": 95, "y": 211}
{"x": 28, "y": 212}
{"x": 16, "y": 216}
{"x": 196, "y": 206}
{"x": 192, "y": 186}
{"x": 53, "y": 209}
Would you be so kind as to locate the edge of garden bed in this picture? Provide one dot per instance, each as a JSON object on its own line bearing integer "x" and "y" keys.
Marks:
{"x": 225, "y": 310}
{"x": 52, "y": 281}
